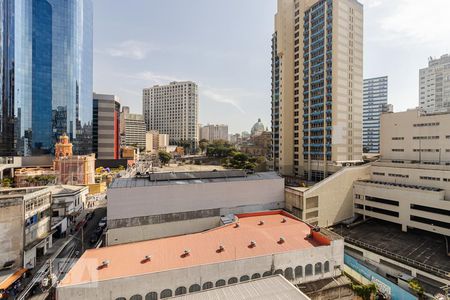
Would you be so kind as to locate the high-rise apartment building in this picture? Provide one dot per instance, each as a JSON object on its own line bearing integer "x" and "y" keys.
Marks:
{"x": 173, "y": 109}
{"x": 375, "y": 101}
{"x": 45, "y": 75}
{"x": 132, "y": 129}
{"x": 106, "y": 129}
{"x": 434, "y": 85}
{"x": 317, "y": 85}
{"x": 214, "y": 133}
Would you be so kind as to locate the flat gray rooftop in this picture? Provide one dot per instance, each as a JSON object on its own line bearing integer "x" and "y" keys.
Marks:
{"x": 179, "y": 178}
{"x": 421, "y": 246}
{"x": 267, "y": 288}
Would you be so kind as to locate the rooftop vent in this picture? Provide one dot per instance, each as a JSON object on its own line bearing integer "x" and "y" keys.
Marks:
{"x": 281, "y": 240}
{"x": 103, "y": 265}
{"x": 186, "y": 252}
{"x": 283, "y": 220}
{"x": 261, "y": 222}
{"x": 252, "y": 244}
{"x": 236, "y": 225}
{"x": 147, "y": 258}
{"x": 221, "y": 249}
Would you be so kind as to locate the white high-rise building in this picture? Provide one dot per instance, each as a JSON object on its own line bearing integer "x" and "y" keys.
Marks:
{"x": 132, "y": 129}
{"x": 434, "y": 89}
{"x": 375, "y": 102}
{"x": 214, "y": 132}
{"x": 173, "y": 109}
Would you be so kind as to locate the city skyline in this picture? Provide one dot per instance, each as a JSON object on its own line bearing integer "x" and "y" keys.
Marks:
{"x": 231, "y": 61}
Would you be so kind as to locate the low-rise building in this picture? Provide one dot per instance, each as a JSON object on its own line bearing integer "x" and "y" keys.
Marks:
{"x": 168, "y": 204}
{"x": 68, "y": 203}
{"x": 25, "y": 224}
{"x": 253, "y": 246}
{"x": 28, "y": 177}
{"x": 155, "y": 141}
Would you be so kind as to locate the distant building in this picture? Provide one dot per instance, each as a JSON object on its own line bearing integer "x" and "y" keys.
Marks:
{"x": 214, "y": 133}
{"x": 169, "y": 204}
{"x": 250, "y": 246}
{"x": 132, "y": 129}
{"x": 257, "y": 129}
{"x": 73, "y": 169}
{"x": 173, "y": 109}
{"x": 106, "y": 128}
{"x": 259, "y": 144}
{"x": 25, "y": 219}
{"x": 375, "y": 100}
{"x": 28, "y": 177}
{"x": 155, "y": 141}
{"x": 434, "y": 85}
{"x": 235, "y": 138}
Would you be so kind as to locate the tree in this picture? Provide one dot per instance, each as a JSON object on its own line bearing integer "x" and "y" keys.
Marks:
{"x": 164, "y": 157}
{"x": 203, "y": 144}
{"x": 365, "y": 291}
{"x": 7, "y": 182}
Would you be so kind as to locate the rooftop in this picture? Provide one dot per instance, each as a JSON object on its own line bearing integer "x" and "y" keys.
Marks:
{"x": 407, "y": 186}
{"x": 267, "y": 288}
{"x": 176, "y": 178}
{"x": 19, "y": 192}
{"x": 59, "y": 190}
{"x": 415, "y": 245}
{"x": 257, "y": 234}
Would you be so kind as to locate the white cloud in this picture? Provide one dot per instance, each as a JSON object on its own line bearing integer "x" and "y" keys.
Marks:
{"x": 131, "y": 49}
{"x": 409, "y": 22}
{"x": 221, "y": 97}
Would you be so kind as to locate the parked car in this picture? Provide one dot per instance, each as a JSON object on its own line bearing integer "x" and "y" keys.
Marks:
{"x": 98, "y": 230}
{"x": 102, "y": 223}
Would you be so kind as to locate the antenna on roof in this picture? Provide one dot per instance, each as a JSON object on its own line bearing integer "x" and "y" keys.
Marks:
{"x": 261, "y": 222}
{"x": 221, "y": 249}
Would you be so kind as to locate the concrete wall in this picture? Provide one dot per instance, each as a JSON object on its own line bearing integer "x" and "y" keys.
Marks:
{"x": 11, "y": 231}
{"x": 405, "y": 198}
{"x": 155, "y": 200}
{"x": 334, "y": 197}
{"x": 154, "y": 231}
{"x": 157, "y": 282}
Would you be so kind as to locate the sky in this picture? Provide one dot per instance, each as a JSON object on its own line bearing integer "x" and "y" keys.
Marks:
{"x": 225, "y": 47}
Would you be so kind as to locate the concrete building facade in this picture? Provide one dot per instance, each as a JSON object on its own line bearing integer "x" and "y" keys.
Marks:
{"x": 155, "y": 141}
{"x": 253, "y": 246}
{"x": 25, "y": 219}
{"x": 411, "y": 184}
{"x": 317, "y": 86}
{"x": 132, "y": 129}
{"x": 173, "y": 109}
{"x": 434, "y": 85}
{"x": 375, "y": 100}
{"x": 214, "y": 133}
{"x": 106, "y": 128}
{"x": 164, "y": 207}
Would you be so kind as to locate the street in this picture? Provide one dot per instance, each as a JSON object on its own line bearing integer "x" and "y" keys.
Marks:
{"x": 64, "y": 258}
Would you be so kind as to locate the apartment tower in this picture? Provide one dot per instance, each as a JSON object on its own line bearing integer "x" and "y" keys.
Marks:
{"x": 173, "y": 109}
{"x": 212, "y": 132}
{"x": 375, "y": 103}
{"x": 317, "y": 86}
{"x": 132, "y": 129}
{"x": 434, "y": 86}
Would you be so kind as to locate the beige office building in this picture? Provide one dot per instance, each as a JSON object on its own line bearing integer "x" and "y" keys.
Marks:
{"x": 132, "y": 129}
{"x": 317, "y": 84}
{"x": 410, "y": 185}
{"x": 155, "y": 141}
{"x": 212, "y": 132}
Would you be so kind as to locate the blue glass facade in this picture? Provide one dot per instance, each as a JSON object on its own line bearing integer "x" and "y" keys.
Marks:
{"x": 46, "y": 75}
{"x": 375, "y": 99}
{"x": 317, "y": 81}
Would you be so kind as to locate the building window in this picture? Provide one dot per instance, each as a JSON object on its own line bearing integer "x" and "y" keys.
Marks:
{"x": 244, "y": 278}
{"x": 256, "y": 276}
{"x": 430, "y": 178}
{"x": 298, "y": 271}
{"x": 326, "y": 267}
{"x": 318, "y": 268}
{"x": 151, "y": 296}
{"x": 136, "y": 297}
{"x": 220, "y": 282}
{"x": 309, "y": 270}
{"x": 194, "y": 288}
{"x": 166, "y": 294}
{"x": 232, "y": 280}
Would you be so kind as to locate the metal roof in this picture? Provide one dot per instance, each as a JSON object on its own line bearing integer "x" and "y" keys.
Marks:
{"x": 267, "y": 288}
{"x": 177, "y": 178}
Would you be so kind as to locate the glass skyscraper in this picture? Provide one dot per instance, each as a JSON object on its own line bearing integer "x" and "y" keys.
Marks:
{"x": 45, "y": 75}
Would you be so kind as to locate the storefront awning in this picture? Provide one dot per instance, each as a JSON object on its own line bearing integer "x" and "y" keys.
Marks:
{"x": 8, "y": 281}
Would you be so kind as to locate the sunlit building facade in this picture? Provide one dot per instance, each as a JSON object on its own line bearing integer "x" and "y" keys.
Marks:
{"x": 45, "y": 75}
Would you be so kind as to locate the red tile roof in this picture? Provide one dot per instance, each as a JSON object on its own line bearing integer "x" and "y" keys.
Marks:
{"x": 264, "y": 229}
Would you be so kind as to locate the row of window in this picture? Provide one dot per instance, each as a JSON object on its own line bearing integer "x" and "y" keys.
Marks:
{"x": 289, "y": 273}
{"x": 426, "y": 124}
